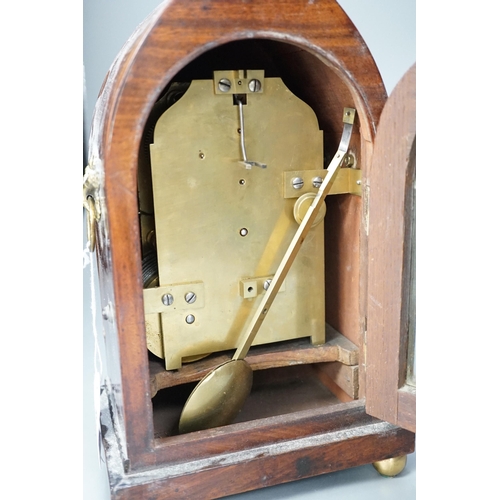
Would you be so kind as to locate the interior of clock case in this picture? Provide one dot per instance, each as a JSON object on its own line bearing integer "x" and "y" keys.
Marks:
{"x": 292, "y": 375}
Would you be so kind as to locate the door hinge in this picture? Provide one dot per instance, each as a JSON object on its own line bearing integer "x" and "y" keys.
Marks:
{"x": 91, "y": 186}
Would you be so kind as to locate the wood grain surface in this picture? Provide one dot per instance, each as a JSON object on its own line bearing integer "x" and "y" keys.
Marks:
{"x": 391, "y": 178}
{"x": 322, "y": 58}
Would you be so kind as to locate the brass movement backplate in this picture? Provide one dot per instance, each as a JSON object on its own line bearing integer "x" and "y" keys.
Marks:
{"x": 224, "y": 228}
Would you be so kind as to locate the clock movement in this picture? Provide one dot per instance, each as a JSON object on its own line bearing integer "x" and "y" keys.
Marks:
{"x": 254, "y": 245}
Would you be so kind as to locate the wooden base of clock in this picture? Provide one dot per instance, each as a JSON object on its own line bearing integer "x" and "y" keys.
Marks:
{"x": 262, "y": 451}
{"x": 306, "y": 414}
{"x": 300, "y": 420}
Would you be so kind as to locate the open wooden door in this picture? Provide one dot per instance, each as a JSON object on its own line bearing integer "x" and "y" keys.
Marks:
{"x": 390, "y": 326}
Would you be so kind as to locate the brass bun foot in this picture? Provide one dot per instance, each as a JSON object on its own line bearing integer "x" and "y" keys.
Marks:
{"x": 391, "y": 466}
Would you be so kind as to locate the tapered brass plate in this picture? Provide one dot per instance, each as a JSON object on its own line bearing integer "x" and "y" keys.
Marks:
{"x": 221, "y": 224}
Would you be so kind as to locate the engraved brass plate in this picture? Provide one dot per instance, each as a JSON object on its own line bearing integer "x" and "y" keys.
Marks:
{"x": 223, "y": 226}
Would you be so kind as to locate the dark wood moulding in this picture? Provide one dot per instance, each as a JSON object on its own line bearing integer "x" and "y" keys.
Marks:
{"x": 264, "y": 453}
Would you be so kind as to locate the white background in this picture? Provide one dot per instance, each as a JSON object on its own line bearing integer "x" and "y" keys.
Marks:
{"x": 41, "y": 364}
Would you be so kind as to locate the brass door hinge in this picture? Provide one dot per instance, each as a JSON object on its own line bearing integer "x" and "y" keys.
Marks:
{"x": 91, "y": 187}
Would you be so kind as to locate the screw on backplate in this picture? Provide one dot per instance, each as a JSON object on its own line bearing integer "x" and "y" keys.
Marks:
{"x": 297, "y": 183}
{"x": 243, "y": 231}
{"x": 224, "y": 85}
{"x": 317, "y": 182}
{"x": 190, "y": 297}
{"x": 349, "y": 160}
{"x": 167, "y": 299}
{"x": 190, "y": 319}
{"x": 267, "y": 284}
{"x": 254, "y": 85}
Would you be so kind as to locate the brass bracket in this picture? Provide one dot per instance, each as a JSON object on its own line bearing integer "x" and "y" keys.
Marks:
{"x": 174, "y": 297}
{"x": 239, "y": 81}
{"x": 251, "y": 287}
{"x": 91, "y": 186}
{"x": 348, "y": 181}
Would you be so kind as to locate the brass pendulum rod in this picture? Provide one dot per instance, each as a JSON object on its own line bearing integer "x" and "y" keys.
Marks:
{"x": 299, "y": 237}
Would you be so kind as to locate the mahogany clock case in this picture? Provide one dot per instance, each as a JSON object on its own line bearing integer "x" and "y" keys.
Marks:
{"x": 302, "y": 430}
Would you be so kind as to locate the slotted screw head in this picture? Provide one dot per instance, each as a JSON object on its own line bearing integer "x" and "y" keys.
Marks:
{"x": 267, "y": 284}
{"x": 297, "y": 183}
{"x": 190, "y": 297}
{"x": 317, "y": 182}
{"x": 224, "y": 85}
{"x": 167, "y": 299}
{"x": 254, "y": 85}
